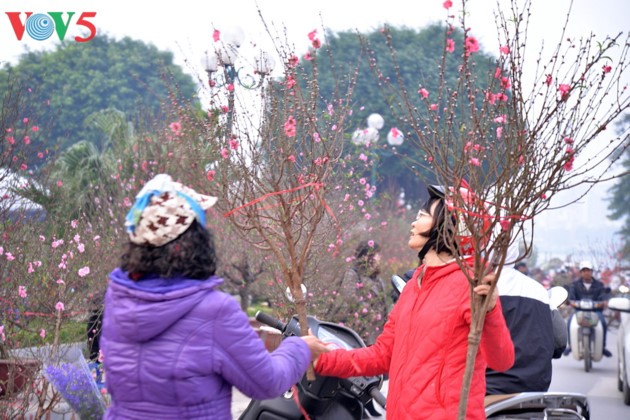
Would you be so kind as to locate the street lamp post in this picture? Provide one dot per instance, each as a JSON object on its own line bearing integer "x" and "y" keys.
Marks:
{"x": 370, "y": 135}
{"x": 225, "y": 54}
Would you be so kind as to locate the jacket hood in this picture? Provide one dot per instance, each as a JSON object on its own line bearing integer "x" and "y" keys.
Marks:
{"x": 146, "y": 308}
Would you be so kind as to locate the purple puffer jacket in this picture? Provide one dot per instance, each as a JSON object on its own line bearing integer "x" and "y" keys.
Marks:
{"x": 174, "y": 348}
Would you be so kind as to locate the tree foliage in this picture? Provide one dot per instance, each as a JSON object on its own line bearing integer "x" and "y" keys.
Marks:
{"x": 76, "y": 80}
{"x": 412, "y": 61}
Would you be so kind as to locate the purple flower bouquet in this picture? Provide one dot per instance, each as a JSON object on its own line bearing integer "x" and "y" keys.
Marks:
{"x": 77, "y": 387}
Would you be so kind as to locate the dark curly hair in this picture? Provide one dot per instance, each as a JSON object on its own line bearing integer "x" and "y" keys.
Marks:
{"x": 441, "y": 235}
{"x": 191, "y": 255}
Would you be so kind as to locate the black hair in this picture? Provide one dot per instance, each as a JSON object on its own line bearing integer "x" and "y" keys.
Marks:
{"x": 441, "y": 235}
{"x": 191, "y": 255}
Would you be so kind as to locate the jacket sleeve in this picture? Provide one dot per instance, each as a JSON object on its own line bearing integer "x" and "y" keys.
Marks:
{"x": 243, "y": 360}
{"x": 496, "y": 343}
{"x": 559, "y": 333}
{"x": 367, "y": 361}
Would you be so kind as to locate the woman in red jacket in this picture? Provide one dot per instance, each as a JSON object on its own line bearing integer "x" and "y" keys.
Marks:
{"x": 424, "y": 342}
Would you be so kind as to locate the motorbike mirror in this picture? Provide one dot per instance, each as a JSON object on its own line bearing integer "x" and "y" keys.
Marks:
{"x": 557, "y": 296}
{"x": 290, "y": 295}
{"x": 398, "y": 283}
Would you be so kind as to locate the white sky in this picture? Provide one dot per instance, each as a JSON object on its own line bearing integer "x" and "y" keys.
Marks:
{"x": 185, "y": 27}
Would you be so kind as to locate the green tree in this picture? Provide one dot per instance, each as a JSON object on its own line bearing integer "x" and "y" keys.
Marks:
{"x": 76, "y": 80}
{"x": 412, "y": 57}
{"x": 620, "y": 194}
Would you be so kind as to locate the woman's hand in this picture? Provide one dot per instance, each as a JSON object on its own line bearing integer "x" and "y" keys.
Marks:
{"x": 484, "y": 288}
{"x": 316, "y": 345}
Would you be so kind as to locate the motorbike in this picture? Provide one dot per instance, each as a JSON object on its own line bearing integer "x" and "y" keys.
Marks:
{"x": 325, "y": 397}
{"x": 586, "y": 334}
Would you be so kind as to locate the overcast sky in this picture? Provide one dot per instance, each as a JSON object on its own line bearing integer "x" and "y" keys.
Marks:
{"x": 185, "y": 28}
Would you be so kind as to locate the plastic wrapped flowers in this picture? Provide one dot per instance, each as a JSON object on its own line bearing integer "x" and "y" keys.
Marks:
{"x": 77, "y": 387}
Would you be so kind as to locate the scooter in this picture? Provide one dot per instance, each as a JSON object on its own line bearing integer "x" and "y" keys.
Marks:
{"x": 326, "y": 397}
{"x": 586, "y": 334}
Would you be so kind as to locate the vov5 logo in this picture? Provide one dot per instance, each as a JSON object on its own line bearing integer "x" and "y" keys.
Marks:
{"x": 41, "y": 26}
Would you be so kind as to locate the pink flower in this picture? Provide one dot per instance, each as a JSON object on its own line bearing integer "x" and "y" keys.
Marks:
{"x": 40, "y": 155}
{"x": 362, "y": 181}
{"x": 548, "y": 80}
{"x": 225, "y": 153}
{"x": 447, "y": 4}
{"x": 9, "y": 256}
{"x": 568, "y": 140}
{"x": 57, "y": 243}
{"x": 564, "y": 90}
{"x": 499, "y": 132}
{"x": 225, "y": 109}
{"x": 500, "y": 119}
{"x": 316, "y": 43}
{"x": 42, "y": 333}
{"x": 497, "y": 73}
{"x": 81, "y": 248}
{"x": 607, "y": 69}
{"x": 505, "y": 83}
{"x": 60, "y": 281}
{"x": 423, "y": 92}
{"x": 367, "y": 216}
{"x": 371, "y": 243}
{"x": 175, "y": 127}
{"x": 210, "y": 175}
{"x": 505, "y": 224}
{"x": 450, "y": 45}
{"x": 491, "y": 98}
{"x": 233, "y": 144}
{"x": 316, "y": 137}
{"x": 22, "y": 291}
{"x": 308, "y": 56}
{"x": 36, "y": 128}
{"x": 363, "y": 157}
{"x": 11, "y": 140}
{"x": 433, "y": 107}
{"x": 216, "y": 35}
{"x": 23, "y": 166}
{"x": 471, "y": 45}
{"x": 25, "y": 120}
{"x": 27, "y": 140}
{"x": 289, "y": 126}
{"x": 84, "y": 271}
{"x": 74, "y": 223}
{"x": 312, "y": 35}
{"x": 293, "y": 61}
{"x": 60, "y": 183}
{"x": 505, "y": 49}
{"x": 474, "y": 161}
{"x": 291, "y": 159}
{"x": 59, "y": 306}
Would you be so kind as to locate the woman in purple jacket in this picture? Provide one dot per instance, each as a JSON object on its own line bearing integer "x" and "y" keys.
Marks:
{"x": 173, "y": 344}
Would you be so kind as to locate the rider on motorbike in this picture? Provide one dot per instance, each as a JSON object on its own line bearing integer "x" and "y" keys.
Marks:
{"x": 587, "y": 287}
{"x": 538, "y": 332}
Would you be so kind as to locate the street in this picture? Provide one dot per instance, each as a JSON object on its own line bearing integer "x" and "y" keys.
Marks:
{"x": 599, "y": 385}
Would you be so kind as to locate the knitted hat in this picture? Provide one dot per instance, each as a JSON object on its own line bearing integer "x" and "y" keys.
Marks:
{"x": 163, "y": 210}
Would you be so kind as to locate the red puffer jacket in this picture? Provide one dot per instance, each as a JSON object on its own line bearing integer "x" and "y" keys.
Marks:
{"x": 423, "y": 347}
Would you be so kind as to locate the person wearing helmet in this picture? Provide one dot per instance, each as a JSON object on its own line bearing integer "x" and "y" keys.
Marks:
{"x": 587, "y": 287}
{"x": 424, "y": 342}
